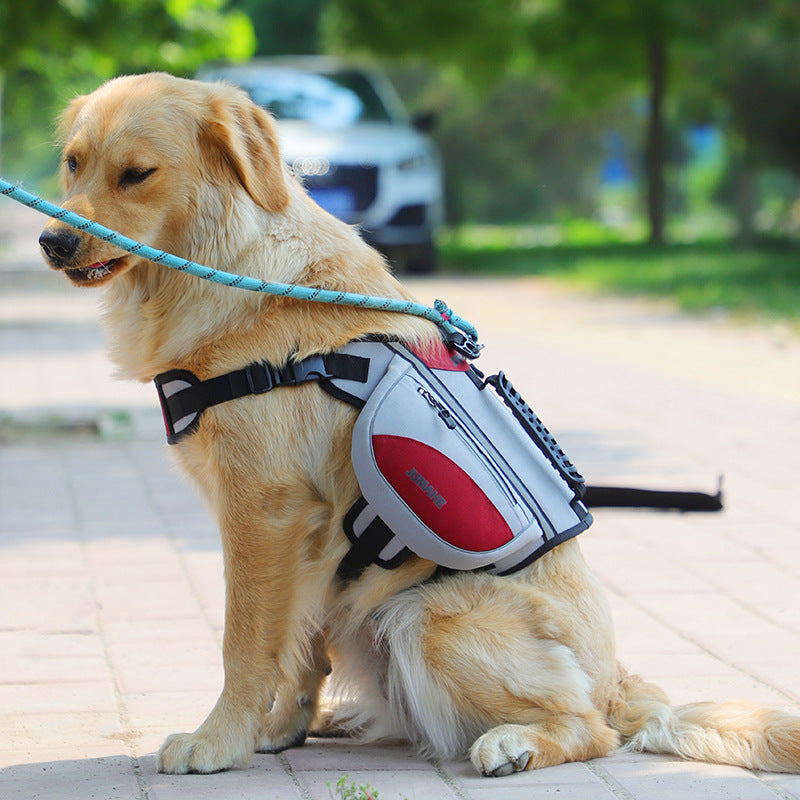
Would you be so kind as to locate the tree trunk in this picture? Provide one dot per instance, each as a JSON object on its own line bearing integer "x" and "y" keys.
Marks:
{"x": 746, "y": 194}
{"x": 656, "y": 155}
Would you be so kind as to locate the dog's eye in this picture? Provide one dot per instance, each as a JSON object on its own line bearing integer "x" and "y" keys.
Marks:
{"x": 134, "y": 175}
{"x": 72, "y": 163}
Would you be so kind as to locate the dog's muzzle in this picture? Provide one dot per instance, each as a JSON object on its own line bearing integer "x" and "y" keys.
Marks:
{"x": 60, "y": 246}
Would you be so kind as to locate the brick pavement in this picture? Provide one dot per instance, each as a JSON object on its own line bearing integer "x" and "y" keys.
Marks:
{"x": 111, "y": 579}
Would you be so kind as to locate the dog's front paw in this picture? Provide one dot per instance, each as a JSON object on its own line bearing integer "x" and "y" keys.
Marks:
{"x": 501, "y": 751}
{"x": 182, "y": 753}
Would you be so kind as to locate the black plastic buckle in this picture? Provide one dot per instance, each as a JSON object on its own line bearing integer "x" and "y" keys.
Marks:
{"x": 312, "y": 368}
{"x": 461, "y": 343}
{"x": 259, "y": 378}
{"x": 286, "y": 375}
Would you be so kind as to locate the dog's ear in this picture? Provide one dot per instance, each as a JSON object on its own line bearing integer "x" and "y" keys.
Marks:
{"x": 239, "y": 137}
{"x": 64, "y": 129}
{"x": 66, "y": 122}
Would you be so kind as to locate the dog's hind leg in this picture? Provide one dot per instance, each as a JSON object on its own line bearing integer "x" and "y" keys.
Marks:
{"x": 554, "y": 739}
{"x": 471, "y": 661}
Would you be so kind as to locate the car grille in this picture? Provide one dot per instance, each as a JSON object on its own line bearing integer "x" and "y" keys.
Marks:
{"x": 361, "y": 181}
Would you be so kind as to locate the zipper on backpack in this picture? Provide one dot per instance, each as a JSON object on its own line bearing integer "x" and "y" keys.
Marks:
{"x": 475, "y": 447}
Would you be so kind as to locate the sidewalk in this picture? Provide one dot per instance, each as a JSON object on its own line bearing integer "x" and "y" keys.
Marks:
{"x": 111, "y": 586}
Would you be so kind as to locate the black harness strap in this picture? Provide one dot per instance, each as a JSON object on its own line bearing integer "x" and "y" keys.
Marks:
{"x": 664, "y": 500}
{"x": 184, "y": 397}
{"x": 364, "y": 549}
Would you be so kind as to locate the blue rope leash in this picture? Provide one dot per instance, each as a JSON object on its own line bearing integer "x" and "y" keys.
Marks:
{"x": 440, "y": 314}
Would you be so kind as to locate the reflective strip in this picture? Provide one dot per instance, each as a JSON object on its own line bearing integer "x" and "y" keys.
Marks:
{"x": 169, "y": 389}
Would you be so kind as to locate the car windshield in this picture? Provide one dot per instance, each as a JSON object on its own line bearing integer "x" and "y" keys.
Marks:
{"x": 333, "y": 99}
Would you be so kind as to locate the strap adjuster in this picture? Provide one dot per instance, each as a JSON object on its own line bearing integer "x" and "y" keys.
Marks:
{"x": 259, "y": 377}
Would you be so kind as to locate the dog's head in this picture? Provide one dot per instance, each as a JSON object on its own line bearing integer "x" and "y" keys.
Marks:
{"x": 139, "y": 151}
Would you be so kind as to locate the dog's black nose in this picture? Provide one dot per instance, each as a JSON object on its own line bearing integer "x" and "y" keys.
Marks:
{"x": 60, "y": 246}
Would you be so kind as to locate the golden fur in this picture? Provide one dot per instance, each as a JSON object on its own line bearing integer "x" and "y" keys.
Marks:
{"x": 519, "y": 671}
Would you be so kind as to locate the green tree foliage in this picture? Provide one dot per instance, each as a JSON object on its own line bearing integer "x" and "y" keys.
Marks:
{"x": 283, "y": 28}
{"x": 483, "y": 37}
{"x": 52, "y": 49}
{"x": 748, "y": 86}
{"x": 757, "y": 64}
{"x": 599, "y": 50}
{"x": 509, "y": 154}
{"x": 121, "y": 35}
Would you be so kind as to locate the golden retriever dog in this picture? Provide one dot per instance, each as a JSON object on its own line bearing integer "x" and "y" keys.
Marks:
{"x": 517, "y": 672}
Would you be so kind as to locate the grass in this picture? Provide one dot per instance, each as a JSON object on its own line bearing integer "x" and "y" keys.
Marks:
{"x": 351, "y": 791}
{"x": 759, "y": 281}
{"x": 345, "y": 791}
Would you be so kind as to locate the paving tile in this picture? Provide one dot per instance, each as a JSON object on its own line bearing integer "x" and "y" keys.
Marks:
{"x": 130, "y": 553}
{"x": 708, "y": 615}
{"x": 344, "y": 755}
{"x": 632, "y": 564}
{"x": 389, "y": 785}
{"x": 207, "y": 573}
{"x": 171, "y": 710}
{"x": 146, "y": 599}
{"x": 131, "y": 630}
{"x": 566, "y": 782}
{"x": 60, "y": 697}
{"x": 29, "y": 656}
{"x": 32, "y": 561}
{"x": 147, "y": 741}
{"x": 638, "y": 633}
{"x": 263, "y": 780}
{"x": 510, "y": 789}
{"x": 788, "y": 785}
{"x": 158, "y": 666}
{"x": 67, "y": 605}
{"x": 80, "y": 735}
{"x": 733, "y": 685}
{"x": 700, "y": 664}
{"x": 110, "y": 778}
{"x": 662, "y": 778}
{"x": 166, "y": 669}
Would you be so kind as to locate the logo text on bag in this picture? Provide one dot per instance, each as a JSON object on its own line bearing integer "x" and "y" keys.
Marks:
{"x": 427, "y": 488}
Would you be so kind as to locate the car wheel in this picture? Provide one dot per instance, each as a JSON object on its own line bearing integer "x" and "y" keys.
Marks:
{"x": 422, "y": 261}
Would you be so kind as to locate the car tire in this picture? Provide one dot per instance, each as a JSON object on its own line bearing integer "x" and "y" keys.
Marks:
{"x": 422, "y": 261}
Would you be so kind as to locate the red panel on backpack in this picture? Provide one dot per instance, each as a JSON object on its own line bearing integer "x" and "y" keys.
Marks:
{"x": 441, "y": 494}
{"x": 437, "y": 355}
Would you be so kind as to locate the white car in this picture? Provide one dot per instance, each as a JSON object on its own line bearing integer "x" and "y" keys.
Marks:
{"x": 345, "y": 133}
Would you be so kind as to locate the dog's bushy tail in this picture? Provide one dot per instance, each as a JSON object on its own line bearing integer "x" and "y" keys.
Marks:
{"x": 741, "y": 734}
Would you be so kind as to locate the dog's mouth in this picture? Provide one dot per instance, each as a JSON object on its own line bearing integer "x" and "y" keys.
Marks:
{"x": 95, "y": 273}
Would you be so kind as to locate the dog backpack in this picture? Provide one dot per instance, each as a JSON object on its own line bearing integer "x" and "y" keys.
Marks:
{"x": 453, "y": 467}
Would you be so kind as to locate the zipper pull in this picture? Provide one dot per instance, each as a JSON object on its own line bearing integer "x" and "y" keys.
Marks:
{"x": 446, "y": 417}
{"x": 441, "y": 410}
